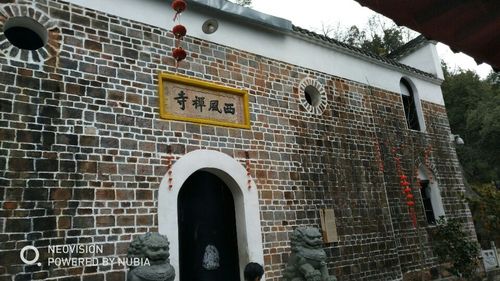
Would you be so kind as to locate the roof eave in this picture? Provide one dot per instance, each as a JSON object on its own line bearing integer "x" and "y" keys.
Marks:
{"x": 245, "y": 14}
{"x": 394, "y": 65}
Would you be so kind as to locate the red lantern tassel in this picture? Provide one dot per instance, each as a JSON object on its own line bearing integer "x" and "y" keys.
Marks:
{"x": 413, "y": 215}
{"x": 247, "y": 156}
{"x": 170, "y": 158}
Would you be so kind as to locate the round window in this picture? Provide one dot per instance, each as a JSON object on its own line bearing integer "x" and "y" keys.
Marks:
{"x": 312, "y": 96}
{"x": 25, "y": 33}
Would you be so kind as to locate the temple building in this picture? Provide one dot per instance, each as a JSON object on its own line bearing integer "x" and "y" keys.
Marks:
{"x": 263, "y": 127}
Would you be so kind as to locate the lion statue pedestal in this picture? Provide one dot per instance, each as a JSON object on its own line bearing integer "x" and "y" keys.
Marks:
{"x": 154, "y": 248}
{"x": 308, "y": 259}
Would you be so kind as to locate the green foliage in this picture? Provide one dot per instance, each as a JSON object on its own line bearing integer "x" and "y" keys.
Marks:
{"x": 473, "y": 107}
{"x": 383, "y": 40}
{"x": 451, "y": 245}
{"x": 485, "y": 210}
{"x": 380, "y": 36}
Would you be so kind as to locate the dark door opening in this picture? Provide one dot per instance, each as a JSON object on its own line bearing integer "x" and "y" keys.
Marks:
{"x": 208, "y": 248}
{"x": 426, "y": 198}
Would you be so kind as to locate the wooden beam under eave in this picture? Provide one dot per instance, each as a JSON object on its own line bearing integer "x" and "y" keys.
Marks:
{"x": 436, "y": 9}
{"x": 477, "y": 32}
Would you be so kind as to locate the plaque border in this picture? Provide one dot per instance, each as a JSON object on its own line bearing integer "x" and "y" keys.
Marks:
{"x": 181, "y": 79}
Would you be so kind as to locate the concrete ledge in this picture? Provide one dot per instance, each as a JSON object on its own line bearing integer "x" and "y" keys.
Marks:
{"x": 493, "y": 275}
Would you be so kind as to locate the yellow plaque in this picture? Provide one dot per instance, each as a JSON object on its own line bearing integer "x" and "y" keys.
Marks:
{"x": 193, "y": 100}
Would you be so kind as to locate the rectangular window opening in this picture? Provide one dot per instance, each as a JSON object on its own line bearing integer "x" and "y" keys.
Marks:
{"x": 426, "y": 198}
{"x": 410, "y": 113}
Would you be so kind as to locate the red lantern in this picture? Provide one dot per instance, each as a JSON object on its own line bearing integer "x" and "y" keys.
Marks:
{"x": 179, "y": 54}
{"x": 179, "y": 31}
{"x": 409, "y": 196}
{"x": 407, "y": 190}
{"x": 410, "y": 203}
{"x": 403, "y": 177}
{"x": 179, "y": 6}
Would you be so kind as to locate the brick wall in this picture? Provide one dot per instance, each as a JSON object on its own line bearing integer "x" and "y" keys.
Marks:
{"x": 83, "y": 151}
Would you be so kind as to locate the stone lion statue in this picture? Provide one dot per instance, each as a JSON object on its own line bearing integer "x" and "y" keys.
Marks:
{"x": 308, "y": 259}
{"x": 151, "y": 249}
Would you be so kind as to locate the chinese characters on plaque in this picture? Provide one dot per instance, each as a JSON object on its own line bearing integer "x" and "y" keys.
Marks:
{"x": 199, "y": 104}
{"x": 192, "y": 100}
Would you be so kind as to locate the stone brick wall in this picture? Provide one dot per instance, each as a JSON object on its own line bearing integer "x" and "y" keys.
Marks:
{"x": 83, "y": 151}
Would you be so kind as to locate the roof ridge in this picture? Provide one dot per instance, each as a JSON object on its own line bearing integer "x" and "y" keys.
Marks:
{"x": 359, "y": 51}
{"x": 408, "y": 47}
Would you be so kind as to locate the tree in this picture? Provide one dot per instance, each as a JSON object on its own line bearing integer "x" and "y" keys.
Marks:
{"x": 494, "y": 79}
{"x": 485, "y": 209}
{"x": 380, "y": 36}
{"x": 451, "y": 245}
{"x": 473, "y": 107}
{"x": 473, "y": 104}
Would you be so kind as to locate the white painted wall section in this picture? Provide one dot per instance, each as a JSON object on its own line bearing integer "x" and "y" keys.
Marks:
{"x": 287, "y": 47}
{"x": 426, "y": 59}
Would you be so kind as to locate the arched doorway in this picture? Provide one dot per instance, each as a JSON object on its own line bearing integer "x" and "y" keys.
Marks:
{"x": 208, "y": 248}
{"x": 246, "y": 201}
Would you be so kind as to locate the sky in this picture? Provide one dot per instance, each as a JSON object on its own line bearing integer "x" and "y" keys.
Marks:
{"x": 313, "y": 14}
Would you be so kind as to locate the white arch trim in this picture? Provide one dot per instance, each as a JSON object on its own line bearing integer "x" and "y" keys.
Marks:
{"x": 417, "y": 100}
{"x": 435, "y": 193}
{"x": 246, "y": 203}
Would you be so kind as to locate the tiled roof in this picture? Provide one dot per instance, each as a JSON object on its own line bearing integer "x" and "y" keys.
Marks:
{"x": 409, "y": 47}
{"x": 358, "y": 51}
{"x": 471, "y": 27}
